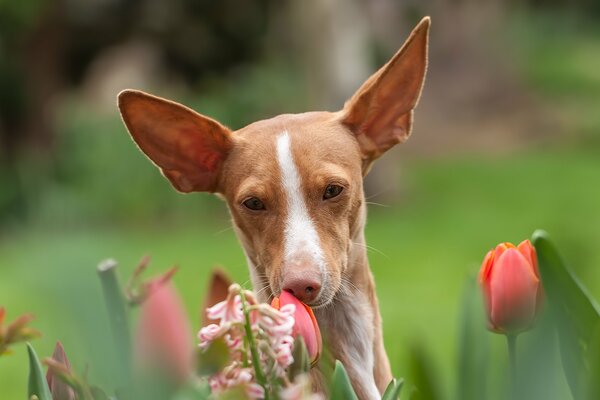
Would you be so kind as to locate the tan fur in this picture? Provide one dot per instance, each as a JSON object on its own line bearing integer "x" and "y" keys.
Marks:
{"x": 198, "y": 154}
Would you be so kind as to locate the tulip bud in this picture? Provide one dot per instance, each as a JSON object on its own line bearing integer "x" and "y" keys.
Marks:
{"x": 305, "y": 324}
{"x": 59, "y": 389}
{"x": 162, "y": 339}
{"x": 511, "y": 286}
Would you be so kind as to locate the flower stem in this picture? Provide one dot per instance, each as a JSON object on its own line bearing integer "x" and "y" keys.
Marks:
{"x": 260, "y": 377}
{"x": 511, "y": 340}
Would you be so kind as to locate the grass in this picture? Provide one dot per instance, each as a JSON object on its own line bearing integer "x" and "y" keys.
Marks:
{"x": 426, "y": 246}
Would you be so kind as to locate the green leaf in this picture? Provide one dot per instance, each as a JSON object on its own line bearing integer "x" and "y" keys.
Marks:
{"x": 37, "y": 381}
{"x": 194, "y": 391}
{"x": 213, "y": 359}
{"x": 573, "y": 309}
{"x": 341, "y": 388}
{"x": 593, "y": 383}
{"x": 301, "y": 362}
{"x": 421, "y": 373}
{"x": 392, "y": 392}
{"x": 473, "y": 353}
{"x": 98, "y": 393}
{"x": 118, "y": 317}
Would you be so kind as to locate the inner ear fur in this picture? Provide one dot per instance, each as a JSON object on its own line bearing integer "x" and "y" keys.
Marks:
{"x": 187, "y": 147}
{"x": 380, "y": 113}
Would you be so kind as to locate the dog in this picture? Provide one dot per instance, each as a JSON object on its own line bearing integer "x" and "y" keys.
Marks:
{"x": 294, "y": 187}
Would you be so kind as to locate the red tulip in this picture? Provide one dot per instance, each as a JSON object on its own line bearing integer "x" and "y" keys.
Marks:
{"x": 511, "y": 286}
{"x": 305, "y": 324}
{"x": 163, "y": 339}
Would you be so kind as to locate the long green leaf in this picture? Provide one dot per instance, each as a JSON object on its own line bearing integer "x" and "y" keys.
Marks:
{"x": 119, "y": 321}
{"x": 392, "y": 392}
{"x": 301, "y": 364}
{"x": 37, "y": 381}
{"x": 473, "y": 353}
{"x": 575, "y": 313}
{"x": 422, "y": 376}
{"x": 593, "y": 382}
{"x": 341, "y": 388}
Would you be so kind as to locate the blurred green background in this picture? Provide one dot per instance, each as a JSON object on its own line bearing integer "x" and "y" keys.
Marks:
{"x": 506, "y": 140}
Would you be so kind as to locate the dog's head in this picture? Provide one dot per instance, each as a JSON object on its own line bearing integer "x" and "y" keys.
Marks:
{"x": 293, "y": 183}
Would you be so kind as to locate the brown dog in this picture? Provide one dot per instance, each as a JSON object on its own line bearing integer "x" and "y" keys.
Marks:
{"x": 293, "y": 184}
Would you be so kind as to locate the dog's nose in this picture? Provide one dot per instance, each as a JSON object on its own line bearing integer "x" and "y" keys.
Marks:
{"x": 305, "y": 289}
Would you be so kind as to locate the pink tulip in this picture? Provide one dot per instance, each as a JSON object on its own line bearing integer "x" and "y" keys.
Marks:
{"x": 163, "y": 339}
{"x": 511, "y": 287}
{"x": 305, "y": 324}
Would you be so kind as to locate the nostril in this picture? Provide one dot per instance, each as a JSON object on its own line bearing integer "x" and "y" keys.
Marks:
{"x": 305, "y": 290}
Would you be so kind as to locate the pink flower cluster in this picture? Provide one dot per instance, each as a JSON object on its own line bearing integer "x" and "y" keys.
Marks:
{"x": 270, "y": 343}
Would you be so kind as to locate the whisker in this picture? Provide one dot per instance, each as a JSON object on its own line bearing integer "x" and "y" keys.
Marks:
{"x": 223, "y": 230}
{"x": 377, "y": 204}
{"x": 366, "y": 246}
{"x": 377, "y": 194}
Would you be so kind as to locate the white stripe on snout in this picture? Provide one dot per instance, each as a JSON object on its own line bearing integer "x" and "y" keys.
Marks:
{"x": 300, "y": 235}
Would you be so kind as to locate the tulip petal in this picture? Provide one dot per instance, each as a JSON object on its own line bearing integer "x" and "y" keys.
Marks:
{"x": 513, "y": 292}
{"x": 305, "y": 323}
{"x": 162, "y": 338}
{"x": 528, "y": 251}
{"x": 484, "y": 277}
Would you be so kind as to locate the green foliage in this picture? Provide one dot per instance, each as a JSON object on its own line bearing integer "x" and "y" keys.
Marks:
{"x": 426, "y": 384}
{"x": 213, "y": 359}
{"x": 37, "y": 380}
{"x": 575, "y": 312}
{"x": 392, "y": 392}
{"x": 119, "y": 321}
{"x": 341, "y": 388}
{"x": 301, "y": 364}
{"x": 473, "y": 346}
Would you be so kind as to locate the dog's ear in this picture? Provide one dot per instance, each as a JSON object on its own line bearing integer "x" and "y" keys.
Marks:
{"x": 380, "y": 113}
{"x": 187, "y": 147}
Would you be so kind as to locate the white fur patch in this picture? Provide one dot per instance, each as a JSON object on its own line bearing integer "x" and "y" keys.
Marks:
{"x": 301, "y": 237}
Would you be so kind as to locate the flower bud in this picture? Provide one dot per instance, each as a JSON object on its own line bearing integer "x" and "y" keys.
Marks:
{"x": 162, "y": 339}
{"x": 512, "y": 291}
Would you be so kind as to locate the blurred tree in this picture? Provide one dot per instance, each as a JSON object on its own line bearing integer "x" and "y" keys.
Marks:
{"x": 48, "y": 46}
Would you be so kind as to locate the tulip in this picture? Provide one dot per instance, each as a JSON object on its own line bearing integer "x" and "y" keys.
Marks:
{"x": 162, "y": 340}
{"x": 511, "y": 286}
{"x": 305, "y": 324}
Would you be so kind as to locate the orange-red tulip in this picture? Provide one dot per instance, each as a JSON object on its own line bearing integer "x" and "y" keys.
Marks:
{"x": 305, "y": 324}
{"x": 511, "y": 286}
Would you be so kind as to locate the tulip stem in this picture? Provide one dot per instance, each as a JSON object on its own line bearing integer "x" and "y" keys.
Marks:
{"x": 511, "y": 340}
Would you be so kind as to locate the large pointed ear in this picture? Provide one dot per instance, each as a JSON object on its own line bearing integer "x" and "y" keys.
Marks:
{"x": 380, "y": 113}
{"x": 187, "y": 147}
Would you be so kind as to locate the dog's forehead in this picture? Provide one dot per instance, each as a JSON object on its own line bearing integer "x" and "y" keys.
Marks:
{"x": 313, "y": 135}
{"x": 318, "y": 144}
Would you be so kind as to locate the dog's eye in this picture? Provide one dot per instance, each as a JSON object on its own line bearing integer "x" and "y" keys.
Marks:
{"x": 332, "y": 191}
{"x": 254, "y": 204}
